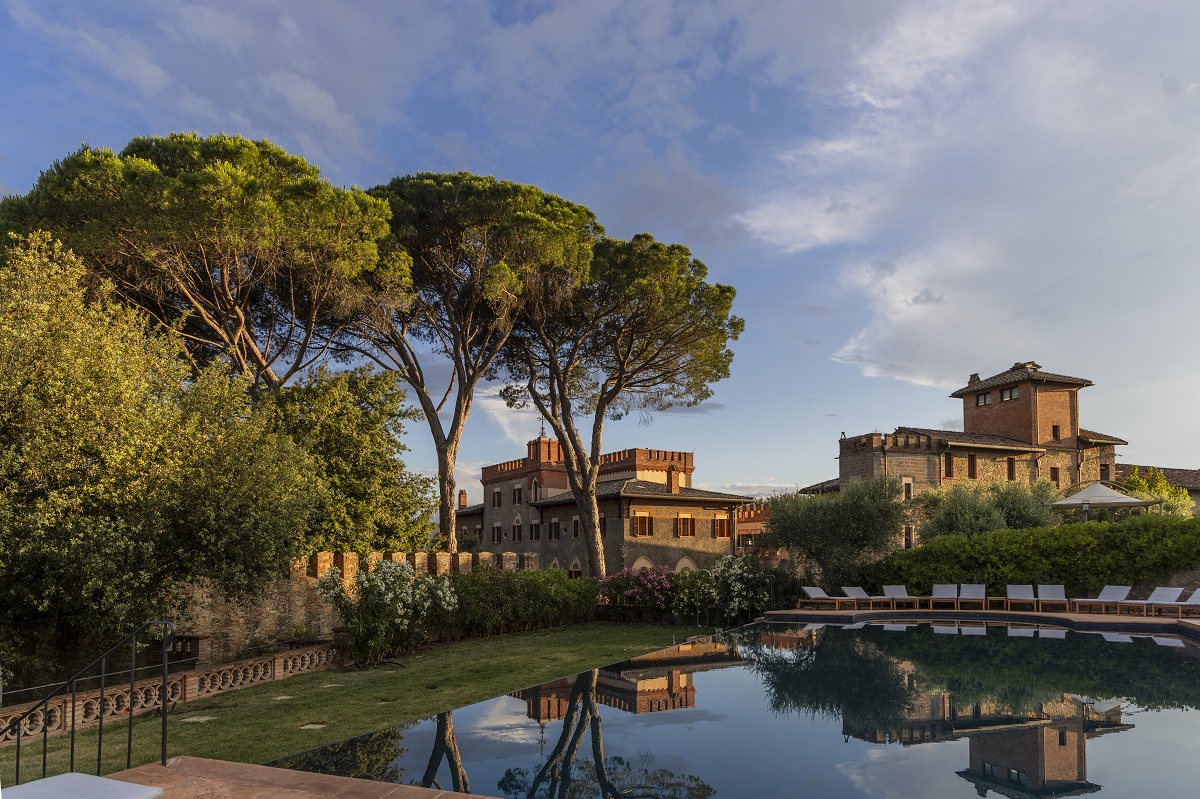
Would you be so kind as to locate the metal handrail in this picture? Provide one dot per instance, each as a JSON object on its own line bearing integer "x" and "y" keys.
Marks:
{"x": 168, "y": 633}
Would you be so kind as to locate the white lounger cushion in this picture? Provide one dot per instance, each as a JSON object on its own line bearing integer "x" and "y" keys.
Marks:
{"x": 81, "y": 786}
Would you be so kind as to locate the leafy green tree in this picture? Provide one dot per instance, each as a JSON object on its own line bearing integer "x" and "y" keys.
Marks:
{"x": 967, "y": 509}
{"x": 239, "y": 245}
{"x": 120, "y": 475}
{"x": 644, "y": 332}
{"x": 838, "y": 532}
{"x": 351, "y": 425}
{"x": 476, "y": 245}
{"x": 1176, "y": 500}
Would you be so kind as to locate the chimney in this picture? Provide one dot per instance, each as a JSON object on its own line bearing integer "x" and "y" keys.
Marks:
{"x": 672, "y": 479}
{"x": 973, "y": 379}
{"x": 462, "y": 498}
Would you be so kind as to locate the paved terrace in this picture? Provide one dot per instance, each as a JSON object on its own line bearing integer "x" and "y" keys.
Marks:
{"x": 1188, "y": 628}
{"x": 200, "y": 778}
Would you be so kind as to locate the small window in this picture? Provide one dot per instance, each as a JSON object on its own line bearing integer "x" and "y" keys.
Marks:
{"x": 555, "y": 531}
{"x": 575, "y": 527}
{"x": 685, "y": 527}
{"x": 1007, "y": 394}
{"x": 535, "y": 531}
{"x": 516, "y": 531}
{"x": 517, "y": 495}
{"x": 1055, "y": 432}
{"x": 641, "y": 525}
{"x": 497, "y": 535}
{"x": 1062, "y": 737}
{"x": 989, "y": 769}
{"x": 1016, "y": 777}
{"x": 495, "y": 499}
{"x": 720, "y": 528}
{"x": 949, "y": 457}
{"x": 971, "y": 473}
{"x": 1104, "y": 472}
{"x": 533, "y": 492}
{"x": 1054, "y": 476}
{"x": 1012, "y": 469}
{"x": 909, "y": 537}
{"x": 908, "y": 489}
{"x": 983, "y": 399}
{"x": 603, "y": 526}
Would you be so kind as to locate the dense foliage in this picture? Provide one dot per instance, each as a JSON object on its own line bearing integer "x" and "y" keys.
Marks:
{"x": 1176, "y": 500}
{"x": 351, "y": 424}
{"x": 390, "y": 608}
{"x": 972, "y": 509}
{"x": 495, "y": 601}
{"x": 120, "y": 473}
{"x": 241, "y": 246}
{"x": 1083, "y": 557}
{"x": 837, "y": 533}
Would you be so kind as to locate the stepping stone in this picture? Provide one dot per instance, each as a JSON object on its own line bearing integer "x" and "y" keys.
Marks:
{"x": 332, "y": 685}
{"x": 313, "y": 726}
{"x": 196, "y": 719}
{"x": 279, "y": 698}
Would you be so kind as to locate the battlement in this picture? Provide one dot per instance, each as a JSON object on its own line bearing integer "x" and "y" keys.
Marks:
{"x": 646, "y": 460}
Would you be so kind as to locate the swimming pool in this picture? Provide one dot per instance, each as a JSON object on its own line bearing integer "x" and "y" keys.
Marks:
{"x": 775, "y": 710}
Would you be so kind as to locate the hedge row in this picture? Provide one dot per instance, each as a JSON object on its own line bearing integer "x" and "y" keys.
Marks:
{"x": 492, "y": 601}
{"x": 1083, "y": 557}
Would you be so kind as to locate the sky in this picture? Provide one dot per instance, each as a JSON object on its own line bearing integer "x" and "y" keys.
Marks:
{"x": 902, "y": 193}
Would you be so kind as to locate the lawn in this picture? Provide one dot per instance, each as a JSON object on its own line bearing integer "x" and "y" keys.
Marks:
{"x": 257, "y": 724}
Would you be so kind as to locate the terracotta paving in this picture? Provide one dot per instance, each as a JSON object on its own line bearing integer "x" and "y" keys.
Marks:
{"x": 201, "y": 778}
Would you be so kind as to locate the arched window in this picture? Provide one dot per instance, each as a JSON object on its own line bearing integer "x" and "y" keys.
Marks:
{"x": 554, "y": 564}
{"x": 685, "y": 565}
{"x": 533, "y": 491}
{"x": 642, "y": 563}
{"x": 576, "y": 570}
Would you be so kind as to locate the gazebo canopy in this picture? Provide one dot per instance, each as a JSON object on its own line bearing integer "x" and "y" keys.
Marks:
{"x": 1098, "y": 495}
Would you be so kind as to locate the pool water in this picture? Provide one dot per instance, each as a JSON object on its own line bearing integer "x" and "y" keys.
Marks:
{"x": 782, "y": 711}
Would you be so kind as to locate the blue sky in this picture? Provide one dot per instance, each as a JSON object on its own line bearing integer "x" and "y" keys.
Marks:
{"x": 902, "y": 192}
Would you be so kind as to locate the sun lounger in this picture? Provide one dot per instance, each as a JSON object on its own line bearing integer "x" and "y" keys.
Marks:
{"x": 971, "y": 594}
{"x": 897, "y": 628}
{"x": 1117, "y": 638}
{"x": 817, "y": 596}
{"x": 972, "y": 629}
{"x": 944, "y": 594}
{"x": 857, "y": 626}
{"x": 1111, "y": 595}
{"x": 1021, "y": 632}
{"x": 942, "y": 629}
{"x": 1191, "y": 604}
{"x": 1020, "y": 595}
{"x": 1159, "y": 596}
{"x": 1163, "y": 640}
{"x": 900, "y": 596}
{"x": 860, "y": 596}
{"x": 1052, "y": 595}
{"x": 808, "y": 628}
{"x": 1051, "y": 632}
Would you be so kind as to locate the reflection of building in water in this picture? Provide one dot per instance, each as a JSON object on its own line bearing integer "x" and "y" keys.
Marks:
{"x": 649, "y": 683}
{"x": 1040, "y": 757}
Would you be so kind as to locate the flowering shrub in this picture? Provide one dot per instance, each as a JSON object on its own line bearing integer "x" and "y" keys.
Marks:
{"x": 495, "y": 601}
{"x": 741, "y": 585}
{"x": 388, "y": 608}
{"x": 693, "y": 593}
{"x": 649, "y": 588}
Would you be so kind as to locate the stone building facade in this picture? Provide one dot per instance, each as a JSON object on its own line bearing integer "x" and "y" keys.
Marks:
{"x": 649, "y": 513}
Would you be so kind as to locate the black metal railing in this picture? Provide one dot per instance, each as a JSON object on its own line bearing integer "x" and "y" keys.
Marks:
{"x": 19, "y": 724}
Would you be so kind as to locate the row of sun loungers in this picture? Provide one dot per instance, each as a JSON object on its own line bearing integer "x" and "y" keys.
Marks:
{"x": 1047, "y": 598}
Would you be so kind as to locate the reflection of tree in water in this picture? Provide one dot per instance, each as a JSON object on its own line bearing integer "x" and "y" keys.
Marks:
{"x": 445, "y": 745}
{"x": 367, "y": 757}
{"x": 838, "y": 678}
{"x": 608, "y": 778}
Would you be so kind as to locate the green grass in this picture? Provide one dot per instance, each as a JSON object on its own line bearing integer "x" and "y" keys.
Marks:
{"x": 254, "y": 725}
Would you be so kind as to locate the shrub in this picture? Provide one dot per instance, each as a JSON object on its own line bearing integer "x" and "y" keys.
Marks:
{"x": 493, "y": 601}
{"x": 388, "y": 609}
{"x": 1084, "y": 557}
{"x": 693, "y": 593}
{"x": 647, "y": 588}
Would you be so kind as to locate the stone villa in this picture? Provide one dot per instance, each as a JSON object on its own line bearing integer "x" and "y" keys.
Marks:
{"x": 649, "y": 513}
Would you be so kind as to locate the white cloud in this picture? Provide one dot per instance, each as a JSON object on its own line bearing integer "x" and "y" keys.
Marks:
{"x": 221, "y": 29}
{"x": 517, "y": 426}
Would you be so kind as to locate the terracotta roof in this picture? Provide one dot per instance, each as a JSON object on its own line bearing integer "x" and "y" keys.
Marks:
{"x": 823, "y": 487}
{"x": 468, "y": 510}
{"x": 1180, "y": 478}
{"x": 643, "y": 488}
{"x": 1099, "y": 438}
{"x": 972, "y": 439}
{"x": 1019, "y": 373}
